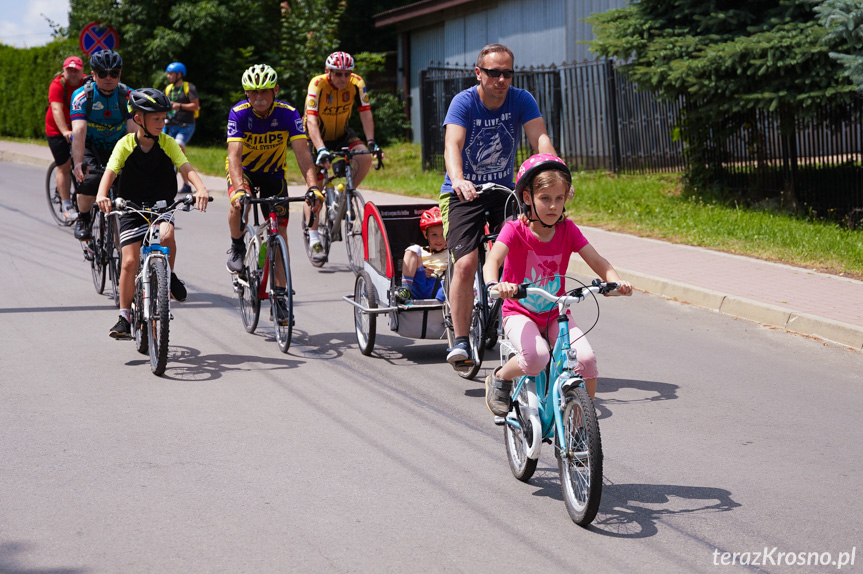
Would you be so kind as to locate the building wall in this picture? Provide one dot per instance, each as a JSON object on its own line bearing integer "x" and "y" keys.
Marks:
{"x": 539, "y": 32}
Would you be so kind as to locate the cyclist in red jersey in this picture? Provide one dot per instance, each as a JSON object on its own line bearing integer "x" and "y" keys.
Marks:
{"x": 58, "y": 127}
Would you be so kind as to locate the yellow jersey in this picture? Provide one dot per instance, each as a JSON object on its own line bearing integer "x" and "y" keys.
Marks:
{"x": 333, "y": 107}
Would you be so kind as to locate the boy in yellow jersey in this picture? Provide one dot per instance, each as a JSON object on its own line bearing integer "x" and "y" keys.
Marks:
{"x": 145, "y": 161}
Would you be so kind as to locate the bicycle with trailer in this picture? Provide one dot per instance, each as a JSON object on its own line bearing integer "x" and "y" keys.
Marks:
{"x": 266, "y": 272}
{"x": 387, "y": 230}
{"x": 151, "y": 302}
{"x": 343, "y": 203}
{"x": 555, "y": 407}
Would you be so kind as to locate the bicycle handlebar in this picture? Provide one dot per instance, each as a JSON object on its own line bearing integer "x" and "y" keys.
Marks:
{"x": 119, "y": 204}
{"x": 347, "y": 154}
{"x": 577, "y": 295}
{"x": 493, "y": 187}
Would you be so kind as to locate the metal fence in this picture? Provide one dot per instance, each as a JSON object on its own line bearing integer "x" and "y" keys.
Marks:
{"x": 597, "y": 119}
{"x": 594, "y": 117}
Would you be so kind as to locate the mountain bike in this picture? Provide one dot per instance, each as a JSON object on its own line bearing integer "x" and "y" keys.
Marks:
{"x": 151, "y": 302}
{"x": 343, "y": 203}
{"x": 555, "y": 406}
{"x": 102, "y": 250}
{"x": 485, "y": 314}
{"x": 266, "y": 265}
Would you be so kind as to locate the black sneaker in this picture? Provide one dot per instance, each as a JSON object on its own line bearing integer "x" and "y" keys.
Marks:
{"x": 497, "y": 393}
{"x": 235, "y": 259}
{"x": 282, "y": 312}
{"x": 178, "y": 288}
{"x": 186, "y": 189}
{"x": 122, "y": 330}
{"x": 459, "y": 357}
{"x": 82, "y": 229}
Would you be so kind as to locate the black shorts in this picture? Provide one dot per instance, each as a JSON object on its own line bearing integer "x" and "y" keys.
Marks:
{"x": 268, "y": 186}
{"x": 133, "y": 227}
{"x": 464, "y": 221}
{"x": 61, "y": 149}
{"x": 94, "y": 160}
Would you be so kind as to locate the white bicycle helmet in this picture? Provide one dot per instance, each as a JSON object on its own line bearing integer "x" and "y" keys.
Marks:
{"x": 340, "y": 61}
{"x": 260, "y": 77}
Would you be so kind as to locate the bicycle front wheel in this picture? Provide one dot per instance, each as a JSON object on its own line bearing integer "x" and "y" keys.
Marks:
{"x": 97, "y": 264}
{"x": 580, "y": 464}
{"x": 250, "y": 304}
{"x": 55, "y": 202}
{"x": 354, "y": 232}
{"x": 112, "y": 251}
{"x": 160, "y": 316}
{"x": 139, "y": 329}
{"x": 281, "y": 298}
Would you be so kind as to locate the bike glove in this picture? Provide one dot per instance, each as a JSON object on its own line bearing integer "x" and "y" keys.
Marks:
{"x": 372, "y": 145}
{"x": 323, "y": 156}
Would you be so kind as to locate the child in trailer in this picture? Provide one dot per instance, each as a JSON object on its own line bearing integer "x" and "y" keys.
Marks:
{"x": 536, "y": 248}
{"x": 422, "y": 269}
{"x": 145, "y": 162}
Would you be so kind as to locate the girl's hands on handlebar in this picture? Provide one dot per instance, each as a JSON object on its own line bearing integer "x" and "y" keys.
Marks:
{"x": 504, "y": 290}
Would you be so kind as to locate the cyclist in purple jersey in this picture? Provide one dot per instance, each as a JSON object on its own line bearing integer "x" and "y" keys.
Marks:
{"x": 260, "y": 129}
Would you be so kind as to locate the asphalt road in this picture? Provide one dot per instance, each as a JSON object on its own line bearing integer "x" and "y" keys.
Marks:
{"x": 719, "y": 435}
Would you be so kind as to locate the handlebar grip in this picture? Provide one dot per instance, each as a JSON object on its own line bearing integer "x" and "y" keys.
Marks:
{"x": 522, "y": 291}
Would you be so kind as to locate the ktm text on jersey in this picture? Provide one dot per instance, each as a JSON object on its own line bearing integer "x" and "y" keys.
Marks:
{"x": 333, "y": 107}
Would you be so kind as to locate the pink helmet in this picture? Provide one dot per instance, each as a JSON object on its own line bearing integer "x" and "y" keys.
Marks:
{"x": 430, "y": 217}
{"x": 340, "y": 61}
{"x": 535, "y": 164}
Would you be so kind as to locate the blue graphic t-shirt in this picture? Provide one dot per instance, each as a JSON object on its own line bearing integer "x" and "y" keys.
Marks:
{"x": 492, "y": 136}
{"x": 106, "y": 123}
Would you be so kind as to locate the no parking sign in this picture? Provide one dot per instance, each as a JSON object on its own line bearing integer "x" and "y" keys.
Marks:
{"x": 95, "y": 38}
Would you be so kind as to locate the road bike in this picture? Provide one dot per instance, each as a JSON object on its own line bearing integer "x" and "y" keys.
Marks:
{"x": 485, "y": 314}
{"x": 151, "y": 302}
{"x": 554, "y": 406}
{"x": 266, "y": 265}
{"x": 343, "y": 203}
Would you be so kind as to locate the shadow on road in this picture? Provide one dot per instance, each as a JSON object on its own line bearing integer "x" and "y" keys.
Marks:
{"x": 631, "y": 391}
{"x": 9, "y": 564}
{"x": 633, "y": 510}
{"x": 188, "y": 364}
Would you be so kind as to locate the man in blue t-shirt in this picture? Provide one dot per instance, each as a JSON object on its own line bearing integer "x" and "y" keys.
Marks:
{"x": 483, "y": 127}
{"x": 100, "y": 117}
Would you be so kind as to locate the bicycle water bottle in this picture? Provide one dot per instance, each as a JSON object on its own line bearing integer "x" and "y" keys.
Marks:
{"x": 262, "y": 255}
{"x": 331, "y": 202}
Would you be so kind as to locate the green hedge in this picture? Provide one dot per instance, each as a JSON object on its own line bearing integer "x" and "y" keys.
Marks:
{"x": 25, "y": 75}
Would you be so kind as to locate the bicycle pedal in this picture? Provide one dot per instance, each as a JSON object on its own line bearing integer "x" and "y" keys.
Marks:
{"x": 499, "y": 421}
{"x": 463, "y": 366}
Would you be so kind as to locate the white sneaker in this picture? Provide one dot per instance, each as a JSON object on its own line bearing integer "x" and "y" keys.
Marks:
{"x": 70, "y": 215}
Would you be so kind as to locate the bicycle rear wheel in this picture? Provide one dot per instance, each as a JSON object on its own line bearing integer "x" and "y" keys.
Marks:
{"x": 365, "y": 324}
{"x": 283, "y": 320}
{"x": 580, "y": 465}
{"x": 518, "y": 439}
{"x": 55, "y": 203}
{"x": 354, "y": 232}
{"x": 98, "y": 263}
{"x": 160, "y": 315}
{"x": 250, "y": 304}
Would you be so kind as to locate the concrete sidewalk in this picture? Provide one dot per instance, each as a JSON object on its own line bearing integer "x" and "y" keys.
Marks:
{"x": 790, "y": 298}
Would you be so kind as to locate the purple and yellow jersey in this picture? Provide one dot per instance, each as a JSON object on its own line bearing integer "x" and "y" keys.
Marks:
{"x": 265, "y": 138}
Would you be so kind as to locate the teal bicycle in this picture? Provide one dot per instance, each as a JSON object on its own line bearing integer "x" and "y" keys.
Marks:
{"x": 554, "y": 407}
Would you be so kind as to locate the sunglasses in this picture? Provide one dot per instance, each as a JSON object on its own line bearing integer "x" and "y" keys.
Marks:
{"x": 341, "y": 74}
{"x": 103, "y": 74}
{"x": 508, "y": 74}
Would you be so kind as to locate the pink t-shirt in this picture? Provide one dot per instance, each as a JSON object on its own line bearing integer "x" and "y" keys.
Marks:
{"x": 531, "y": 260}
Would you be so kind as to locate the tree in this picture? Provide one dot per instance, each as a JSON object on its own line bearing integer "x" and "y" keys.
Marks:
{"x": 843, "y": 20}
{"x": 728, "y": 59}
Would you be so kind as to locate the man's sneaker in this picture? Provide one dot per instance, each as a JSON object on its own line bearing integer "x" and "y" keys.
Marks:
{"x": 235, "y": 259}
{"x": 459, "y": 357}
{"x": 318, "y": 255}
{"x": 122, "y": 330}
{"x": 403, "y": 295}
{"x": 70, "y": 214}
{"x": 281, "y": 312}
{"x": 185, "y": 189}
{"x": 178, "y": 288}
{"x": 82, "y": 229}
{"x": 497, "y": 393}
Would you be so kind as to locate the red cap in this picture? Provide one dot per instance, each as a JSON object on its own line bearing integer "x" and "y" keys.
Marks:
{"x": 74, "y": 62}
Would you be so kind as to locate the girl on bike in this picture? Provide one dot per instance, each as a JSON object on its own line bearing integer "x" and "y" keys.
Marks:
{"x": 536, "y": 249}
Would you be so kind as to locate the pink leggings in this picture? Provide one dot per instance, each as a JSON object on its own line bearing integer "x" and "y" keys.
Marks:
{"x": 533, "y": 350}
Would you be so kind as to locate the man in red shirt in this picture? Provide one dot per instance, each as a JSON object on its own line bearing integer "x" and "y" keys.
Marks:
{"x": 58, "y": 126}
